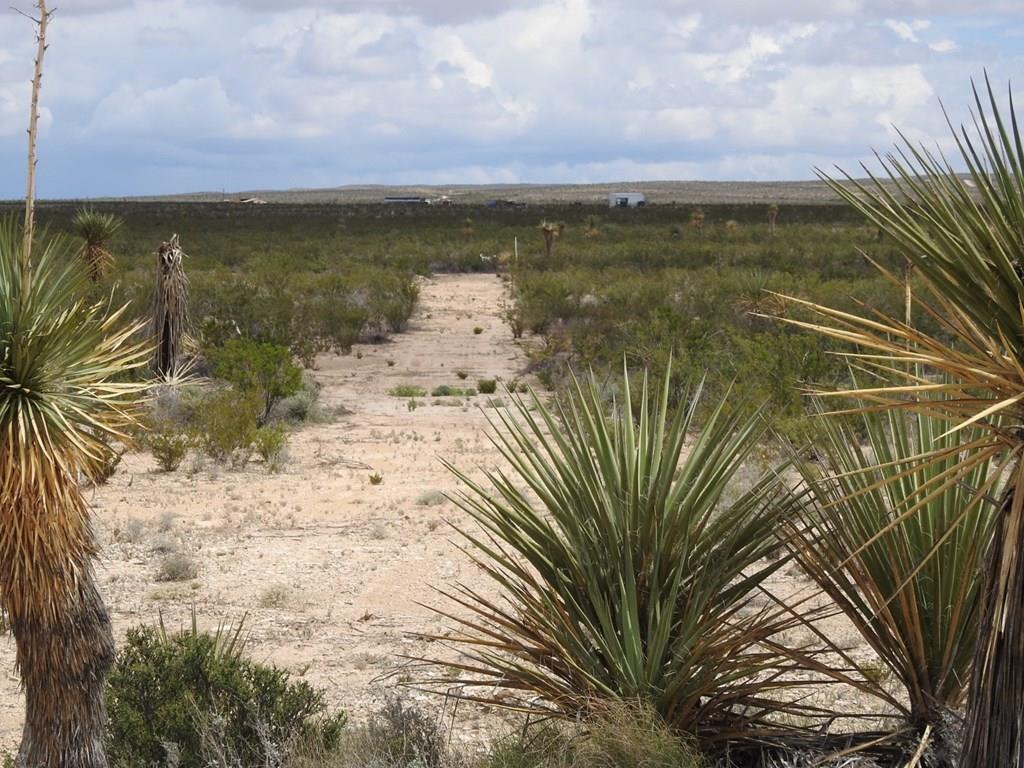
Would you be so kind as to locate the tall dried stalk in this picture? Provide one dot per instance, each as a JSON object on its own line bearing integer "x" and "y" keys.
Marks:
{"x": 170, "y": 308}
{"x": 33, "y": 128}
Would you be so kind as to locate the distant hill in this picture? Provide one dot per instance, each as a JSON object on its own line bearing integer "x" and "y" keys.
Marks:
{"x": 657, "y": 192}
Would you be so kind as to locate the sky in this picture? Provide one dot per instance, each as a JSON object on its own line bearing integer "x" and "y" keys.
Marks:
{"x": 168, "y": 96}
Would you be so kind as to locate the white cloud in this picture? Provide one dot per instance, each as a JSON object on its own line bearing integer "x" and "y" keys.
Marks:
{"x": 907, "y": 30}
{"x": 293, "y": 93}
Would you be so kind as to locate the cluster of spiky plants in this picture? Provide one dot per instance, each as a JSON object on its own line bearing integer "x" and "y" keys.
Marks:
{"x": 627, "y": 570}
{"x": 95, "y": 230}
{"x": 900, "y": 553}
{"x": 965, "y": 242}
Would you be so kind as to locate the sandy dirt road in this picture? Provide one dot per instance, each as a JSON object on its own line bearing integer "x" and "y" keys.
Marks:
{"x": 329, "y": 570}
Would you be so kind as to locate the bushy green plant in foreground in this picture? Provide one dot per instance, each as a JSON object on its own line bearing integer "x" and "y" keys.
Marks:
{"x": 174, "y": 697}
{"x": 626, "y": 578}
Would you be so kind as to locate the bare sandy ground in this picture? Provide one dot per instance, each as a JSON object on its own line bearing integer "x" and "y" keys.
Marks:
{"x": 329, "y": 570}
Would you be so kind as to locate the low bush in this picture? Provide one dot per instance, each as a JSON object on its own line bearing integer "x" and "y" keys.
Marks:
{"x": 226, "y": 424}
{"x": 169, "y": 445}
{"x": 400, "y": 735}
{"x": 407, "y": 390}
{"x": 264, "y": 369}
{"x": 183, "y": 699}
{"x": 271, "y": 443}
{"x": 446, "y": 390}
{"x": 177, "y": 566}
{"x": 487, "y": 386}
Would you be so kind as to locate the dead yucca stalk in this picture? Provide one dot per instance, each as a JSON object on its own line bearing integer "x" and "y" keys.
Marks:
{"x": 170, "y": 320}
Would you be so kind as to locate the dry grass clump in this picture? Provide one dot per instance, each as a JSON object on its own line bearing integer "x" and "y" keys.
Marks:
{"x": 177, "y": 566}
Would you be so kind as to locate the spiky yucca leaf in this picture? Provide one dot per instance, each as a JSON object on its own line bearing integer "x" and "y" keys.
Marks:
{"x": 627, "y": 570}
{"x": 96, "y": 230}
{"x": 966, "y": 244}
{"x": 62, "y": 399}
{"x": 910, "y": 584}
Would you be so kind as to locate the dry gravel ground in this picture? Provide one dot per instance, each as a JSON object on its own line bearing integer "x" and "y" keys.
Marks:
{"x": 329, "y": 569}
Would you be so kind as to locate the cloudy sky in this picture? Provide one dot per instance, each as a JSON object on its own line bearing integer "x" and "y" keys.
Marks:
{"x": 161, "y": 96}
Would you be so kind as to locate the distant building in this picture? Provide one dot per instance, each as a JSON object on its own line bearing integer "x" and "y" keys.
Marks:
{"x": 626, "y": 199}
{"x": 253, "y": 201}
{"x": 406, "y": 200}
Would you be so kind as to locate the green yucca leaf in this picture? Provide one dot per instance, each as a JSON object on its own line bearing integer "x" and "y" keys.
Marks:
{"x": 625, "y": 570}
{"x": 910, "y": 584}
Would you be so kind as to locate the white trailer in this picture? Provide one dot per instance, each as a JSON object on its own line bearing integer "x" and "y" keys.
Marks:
{"x": 626, "y": 199}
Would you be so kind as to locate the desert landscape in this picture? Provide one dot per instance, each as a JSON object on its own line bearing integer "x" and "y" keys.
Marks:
{"x": 331, "y": 573}
{"x": 386, "y": 456}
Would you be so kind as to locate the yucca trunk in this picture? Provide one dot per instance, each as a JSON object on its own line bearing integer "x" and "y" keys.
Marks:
{"x": 64, "y": 659}
{"x": 994, "y": 734}
{"x": 61, "y": 629}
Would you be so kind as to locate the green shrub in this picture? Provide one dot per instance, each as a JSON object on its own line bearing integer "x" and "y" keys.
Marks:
{"x": 487, "y": 386}
{"x": 407, "y": 390}
{"x": 169, "y": 445}
{"x": 170, "y": 693}
{"x": 226, "y": 425}
{"x": 446, "y": 390}
{"x": 265, "y": 369}
{"x": 270, "y": 443}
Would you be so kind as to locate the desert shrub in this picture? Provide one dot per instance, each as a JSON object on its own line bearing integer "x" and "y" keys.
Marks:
{"x": 169, "y": 444}
{"x": 617, "y": 736}
{"x": 407, "y": 390}
{"x": 168, "y": 694}
{"x": 487, "y": 386}
{"x": 399, "y": 735}
{"x": 271, "y": 443}
{"x": 446, "y": 390}
{"x": 302, "y": 406}
{"x": 624, "y": 563}
{"x": 226, "y": 424}
{"x": 431, "y": 499}
{"x": 177, "y": 566}
{"x": 264, "y": 369}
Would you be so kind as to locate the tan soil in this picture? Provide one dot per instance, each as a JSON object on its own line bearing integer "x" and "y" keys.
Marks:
{"x": 329, "y": 570}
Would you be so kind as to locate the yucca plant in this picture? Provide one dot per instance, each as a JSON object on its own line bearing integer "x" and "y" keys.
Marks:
{"x": 169, "y": 324}
{"x": 96, "y": 230}
{"x": 964, "y": 237}
{"x": 626, "y": 569}
{"x": 910, "y": 583}
{"x": 63, "y": 398}
{"x": 550, "y": 231}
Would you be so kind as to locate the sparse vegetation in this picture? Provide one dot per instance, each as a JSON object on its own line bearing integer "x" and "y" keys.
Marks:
{"x": 487, "y": 386}
{"x": 407, "y": 390}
